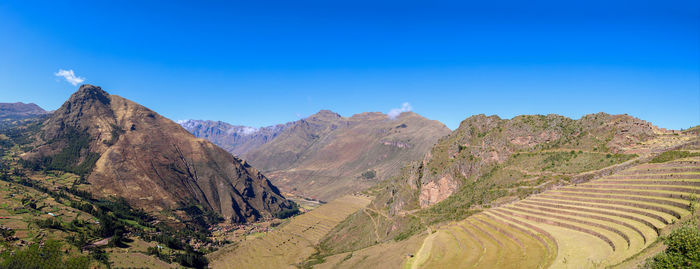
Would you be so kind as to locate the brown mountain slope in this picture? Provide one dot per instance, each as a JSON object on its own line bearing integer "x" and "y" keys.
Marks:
{"x": 327, "y": 155}
{"x": 127, "y": 150}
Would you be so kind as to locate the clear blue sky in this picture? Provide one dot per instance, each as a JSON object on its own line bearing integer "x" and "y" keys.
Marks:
{"x": 271, "y": 62}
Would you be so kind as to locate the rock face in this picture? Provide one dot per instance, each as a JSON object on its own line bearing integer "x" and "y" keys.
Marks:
{"x": 483, "y": 141}
{"x": 326, "y": 155}
{"x": 129, "y": 151}
{"x": 235, "y": 139}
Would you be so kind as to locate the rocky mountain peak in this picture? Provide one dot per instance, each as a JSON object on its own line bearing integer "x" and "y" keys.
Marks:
{"x": 88, "y": 93}
{"x": 325, "y": 115}
{"x": 127, "y": 150}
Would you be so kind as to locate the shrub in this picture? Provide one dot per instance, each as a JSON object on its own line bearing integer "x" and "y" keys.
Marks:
{"x": 672, "y": 155}
{"x": 369, "y": 174}
{"x": 683, "y": 249}
{"x": 50, "y": 223}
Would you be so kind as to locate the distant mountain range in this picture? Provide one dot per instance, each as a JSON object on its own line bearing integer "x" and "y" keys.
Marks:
{"x": 12, "y": 114}
{"x": 326, "y": 155}
{"x": 126, "y": 150}
{"x": 234, "y": 138}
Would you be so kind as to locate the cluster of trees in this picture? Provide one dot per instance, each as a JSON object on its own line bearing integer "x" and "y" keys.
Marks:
{"x": 286, "y": 213}
{"x": 69, "y": 158}
{"x": 190, "y": 258}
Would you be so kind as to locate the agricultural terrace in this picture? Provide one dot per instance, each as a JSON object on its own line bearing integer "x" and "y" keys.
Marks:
{"x": 595, "y": 224}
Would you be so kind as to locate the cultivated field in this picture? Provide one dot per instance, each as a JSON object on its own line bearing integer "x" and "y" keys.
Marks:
{"x": 595, "y": 224}
{"x": 292, "y": 243}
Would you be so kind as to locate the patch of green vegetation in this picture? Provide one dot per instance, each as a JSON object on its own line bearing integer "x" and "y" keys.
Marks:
{"x": 48, "y": 256}
{"x": 69, "y": 158}
{"x": 114, "y": 219}
{"x": 683, "y": 249}
{"x": 116, "y": 132}
{"x": 412, "y": 227}
{"x": 673, "y": 155}
{"x": 569, "y": 162}
{"x": 371, "y": 174}
{"x": 288, "y": 212}
{"x": 315, "y": 259}
{"x": 199, "y": 215}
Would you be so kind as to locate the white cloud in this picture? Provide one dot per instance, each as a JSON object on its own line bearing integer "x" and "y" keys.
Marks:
{"x": 241, "y": 130}
{"x": 249, "y": 130}
{"x": 395, "y": 112}
{"x": 70, "y": 76}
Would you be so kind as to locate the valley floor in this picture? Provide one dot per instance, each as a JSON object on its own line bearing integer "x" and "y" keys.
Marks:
{"x": 289, "y": 245}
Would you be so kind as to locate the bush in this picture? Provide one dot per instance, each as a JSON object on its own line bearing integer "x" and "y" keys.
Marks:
{"x": 50, "y": 223}
{"x": 369, "y": 174}
{"x": 672, "y": 155}
{"x": 683, "y": 249}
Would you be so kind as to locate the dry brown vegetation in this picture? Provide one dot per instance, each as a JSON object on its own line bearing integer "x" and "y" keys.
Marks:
{"x": 293, "y": 242}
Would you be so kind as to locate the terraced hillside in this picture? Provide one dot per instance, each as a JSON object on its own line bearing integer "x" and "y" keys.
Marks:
{"x": 595, "y": 224}
{"x": 291, "y": 244}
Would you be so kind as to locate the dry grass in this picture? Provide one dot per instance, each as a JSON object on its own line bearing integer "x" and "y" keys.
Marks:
{"x": 292, "y": 243}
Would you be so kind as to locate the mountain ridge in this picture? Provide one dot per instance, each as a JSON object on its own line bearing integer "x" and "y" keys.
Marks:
{"x": 326, "y": 155}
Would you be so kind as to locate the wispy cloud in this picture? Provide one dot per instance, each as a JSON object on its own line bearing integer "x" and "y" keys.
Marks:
{"x": 249, "y": 130}
{"x": 70, "y": 76}
{"x": 395, "y": 112}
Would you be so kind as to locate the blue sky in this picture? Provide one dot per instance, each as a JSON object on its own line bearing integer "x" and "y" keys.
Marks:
{"x": 272, "y": 62}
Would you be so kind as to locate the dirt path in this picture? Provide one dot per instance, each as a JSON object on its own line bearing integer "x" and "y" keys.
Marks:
{"x": 374, "y": 223}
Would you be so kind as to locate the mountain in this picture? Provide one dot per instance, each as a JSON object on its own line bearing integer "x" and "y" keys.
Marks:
{"x": 12, "y": 114}
{"x": 235, "y": 139}
{"x": 326, "y": 155}
{"x": 126, "y": 150}
{"x": 488, "y": 161}
{"x": 482, "y": 142}
{"x": 20, "y": 110}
